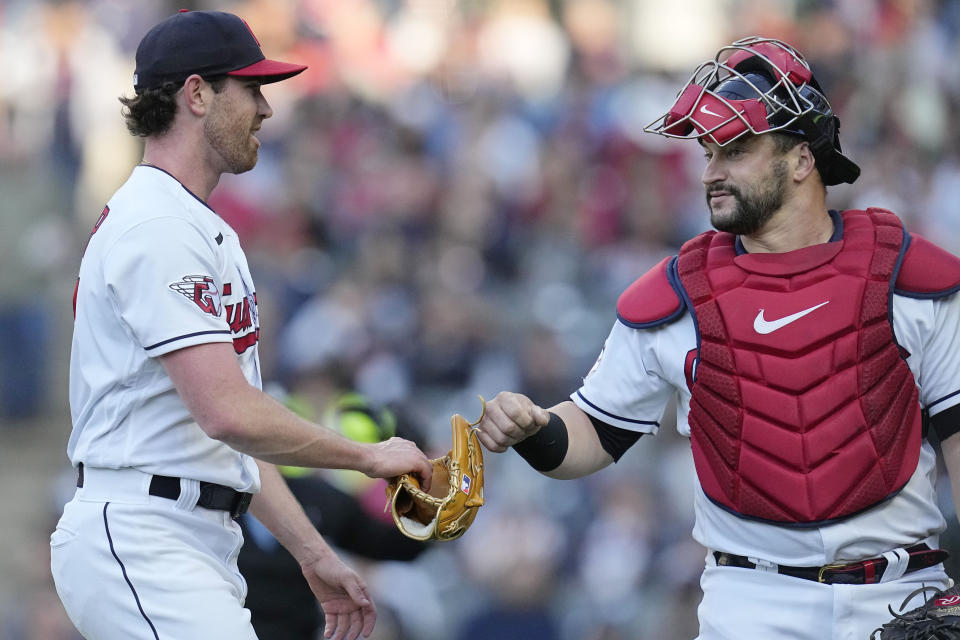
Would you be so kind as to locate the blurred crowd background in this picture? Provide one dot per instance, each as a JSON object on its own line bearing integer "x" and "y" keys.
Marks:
{"x": 447, "y": 204}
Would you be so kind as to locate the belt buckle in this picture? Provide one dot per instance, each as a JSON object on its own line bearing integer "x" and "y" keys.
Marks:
{"x": 824, "y": 569}
{"x": 241, "y": 504}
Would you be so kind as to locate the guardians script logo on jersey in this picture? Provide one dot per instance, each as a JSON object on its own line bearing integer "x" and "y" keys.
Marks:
{"x": 242, "y": 318}
{"x": 200, "y": 290}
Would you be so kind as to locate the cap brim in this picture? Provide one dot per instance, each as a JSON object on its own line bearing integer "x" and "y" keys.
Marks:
{"x": 269, "y": 70}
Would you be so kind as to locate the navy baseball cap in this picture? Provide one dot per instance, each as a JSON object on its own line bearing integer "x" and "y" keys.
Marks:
{"x": 208, "y": 43}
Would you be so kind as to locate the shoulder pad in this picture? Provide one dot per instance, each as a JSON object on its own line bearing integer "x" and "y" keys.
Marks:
{"x": 927, "y": 271}
{"x": 652, "y": 299}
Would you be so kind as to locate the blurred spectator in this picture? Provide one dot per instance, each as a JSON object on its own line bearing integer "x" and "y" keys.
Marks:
{"x": 36, "y": 613}
{"x": 513, "y": 557}
{"x": 438, "y": 164}
{"x": 48, "y": 108}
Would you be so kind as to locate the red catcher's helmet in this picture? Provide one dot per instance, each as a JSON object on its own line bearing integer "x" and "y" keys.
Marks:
{"x": 759, "y": 85}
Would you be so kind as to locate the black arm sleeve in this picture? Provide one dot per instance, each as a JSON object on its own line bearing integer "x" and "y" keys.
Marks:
{"x": 546, "y": 449}
{"x": 946, "y": 423}
{"x": 614, "y": 440}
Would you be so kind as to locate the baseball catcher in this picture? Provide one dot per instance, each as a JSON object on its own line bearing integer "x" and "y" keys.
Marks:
{"x": 456, "y": 492}
{"x": 937, "y": 619}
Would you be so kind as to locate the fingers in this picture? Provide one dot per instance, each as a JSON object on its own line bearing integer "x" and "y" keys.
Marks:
{"x": 335, "y": 625}
{"x": 348, "y": 626}
{"x": 397, "y": 456}
{"x": 415, "y": 462}
{"x": 351, "y": 624}
{"x": 368, "y": 620}
{"x": 356, "y": 625}
{"x": 342, "y": 626}
{"x": 510, "y": 418}
{"x": 364, "y": 617}
{"x": 358, "y": 593}
{"x": 426, "y": 475}
{"x": 488, "y": 435}
{"x": 348, "y": 609}
{"x": 541, "y": 416}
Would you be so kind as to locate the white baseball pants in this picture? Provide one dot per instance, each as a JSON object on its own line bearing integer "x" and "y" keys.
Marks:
{"x": 131, "y": 566}
{"x": 748, "y": 603}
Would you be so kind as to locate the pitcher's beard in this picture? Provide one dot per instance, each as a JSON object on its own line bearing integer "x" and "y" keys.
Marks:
{"x": 235, "y": 147}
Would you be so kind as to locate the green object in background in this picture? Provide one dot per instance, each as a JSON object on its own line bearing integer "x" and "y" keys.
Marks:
{"x": 352, "y": 415}
{"x": 357, "y": 420}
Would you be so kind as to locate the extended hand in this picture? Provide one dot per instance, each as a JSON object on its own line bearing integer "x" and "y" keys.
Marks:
{"x": 396, "y": 456}
{"x": 510, "y": 418}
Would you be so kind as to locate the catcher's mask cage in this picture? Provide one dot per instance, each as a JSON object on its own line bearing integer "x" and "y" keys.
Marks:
{"x": 753, "y": 86}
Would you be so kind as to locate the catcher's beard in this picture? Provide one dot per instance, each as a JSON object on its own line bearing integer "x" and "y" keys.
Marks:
{"x": 754, "y": 206}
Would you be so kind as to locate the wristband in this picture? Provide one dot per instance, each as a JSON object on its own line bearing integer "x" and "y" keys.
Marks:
{"x": 547, "y": 448}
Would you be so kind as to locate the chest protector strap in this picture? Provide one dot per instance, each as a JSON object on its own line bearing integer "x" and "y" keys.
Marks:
{"x": 803, "y": 409}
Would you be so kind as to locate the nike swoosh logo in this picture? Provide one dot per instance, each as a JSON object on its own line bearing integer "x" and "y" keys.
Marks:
{"x": 762, "y": 326}
{"x": 706, "y": 110}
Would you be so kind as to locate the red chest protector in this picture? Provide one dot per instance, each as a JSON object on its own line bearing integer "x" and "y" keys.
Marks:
{"x": 803, "y": 409}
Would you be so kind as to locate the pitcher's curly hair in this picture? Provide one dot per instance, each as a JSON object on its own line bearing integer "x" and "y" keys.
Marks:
{"x": 151, "y": 112}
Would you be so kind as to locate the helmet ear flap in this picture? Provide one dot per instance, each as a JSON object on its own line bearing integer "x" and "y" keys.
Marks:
{"x": 821, "y": 131}
{"x": 816, "y": 123}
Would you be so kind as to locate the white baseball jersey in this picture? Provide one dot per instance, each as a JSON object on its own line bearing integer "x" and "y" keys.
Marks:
{"x": 161, "y": 272}
{"x": 640, "y": 370}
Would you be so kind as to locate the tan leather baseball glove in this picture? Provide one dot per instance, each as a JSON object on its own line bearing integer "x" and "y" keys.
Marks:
{"x": 455, "y": 495}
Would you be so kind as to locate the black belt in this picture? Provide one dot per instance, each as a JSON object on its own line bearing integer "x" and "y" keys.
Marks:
{"x": 864, "y": 572}
{"x": 212, "y": 496}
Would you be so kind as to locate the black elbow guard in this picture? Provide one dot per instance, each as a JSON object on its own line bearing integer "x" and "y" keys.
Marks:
{"x": 547, "y": 448}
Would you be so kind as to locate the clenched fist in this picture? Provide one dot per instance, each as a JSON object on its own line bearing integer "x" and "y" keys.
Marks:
{"x": 510, "y": 418}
